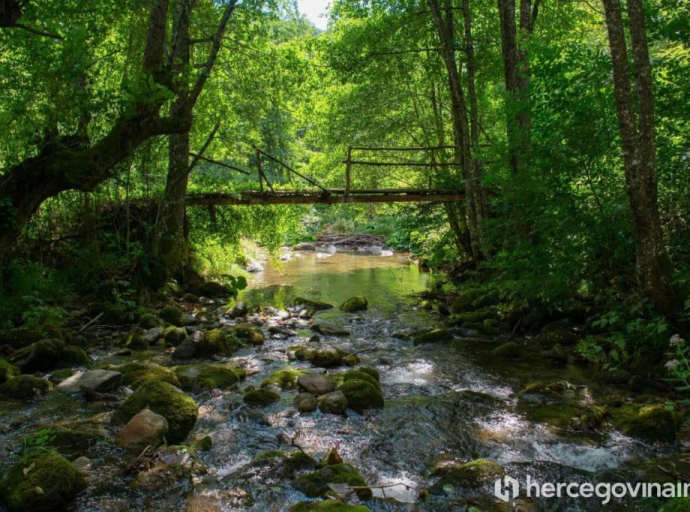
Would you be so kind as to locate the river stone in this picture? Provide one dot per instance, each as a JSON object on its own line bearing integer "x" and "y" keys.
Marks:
{"x": 25, "y": 387}
{"x": 330, "y": 329}
{"x": 323, "y": 356}
{"x": 354, "y": 304}
{"x": 172, "y": 315}
{"x": 98, "y": 380}
{"x": 434, "y": 336}
{"x": 145, "y": 429}
{"x": 250, "y": 333}
{"x": 7, "y": 371}
{"x": 82, "y": 464}
{"x": 153, "y": 335}
{"x": 38, "y": 357}
{"x": 311, "y": 304}
{"x": 238, "y": 310}
{"x": 186, "y": 349}
{"x": 305, "y": 402}
{"x": 362, "y": 394}
{"x": 283, "y": 331}
{"x": 316, "y": 384}
{"x": 333, "y": 403}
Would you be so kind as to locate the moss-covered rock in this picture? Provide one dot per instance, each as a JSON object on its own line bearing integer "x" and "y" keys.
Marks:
{"x": 549, "y": 339}
{"x": 470, "y": 474}
{"x": 114, "y": 315}
{"x": 615, "y": 376}
{"x": 25, "y": 387}
{"x": 165, "y": 399}
{"x": 329, "y": 329}
{"x": 59, "y": 375}
{"x": 20, "y": 338}
{"x": 74, "y": 356}
{"x": 47, "y": 482}
{"x": 172, "y": 315}
{"x": 360, "y": 374}
{"x": 354, "y": 304}
{"x": 7, "y": 371}
{"x": 653, "y": 423}
{"x": 41, "y": 356}
{"x": 433, "y": 336}
{"x": 217, "y": 342}
{"x": 372, "y": 372}
{"x": 311, "y": 304}
{"x": 464, "y": 301}
{"x": 249, "y": 333}
{"x": 135, "y": 341}
{"x": 316, "y": 483}
{"x": 137, "y": 374}
{"x": 332, "y": 403}
{"x": 174, "y": 335}
{"x": 284, "y": 379}
{"x": 362, "y": 394}
{"x": 150, "y": 321}
{"x": 510, "y": 350}
{"x": 327, "y": 506}
{"x": 205, "y": 377}
{"x": 261, "y": 397}
{"x": 472, "y": 316}
{"x": 323, "y": 357}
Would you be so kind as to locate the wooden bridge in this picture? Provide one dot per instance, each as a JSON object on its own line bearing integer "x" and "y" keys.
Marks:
{"x": 317, "y": 194}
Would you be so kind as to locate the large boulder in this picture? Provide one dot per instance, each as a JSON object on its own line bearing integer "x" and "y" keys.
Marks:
{"x": 328, "y": 329}
{"x": 311, "y": 304}
{"x": 205, "y": 377}
{"x": 261, "y": 397}
{"x": 137, "y": 374}
{"x": 323, "y": 356}
{"x": 172, "y": 315}
{"x": 316, "y": 384}
{"x": 217, "y": 342}
{"x": 41, "y": 356}
{"x": 180, "y": 410}
{"x": 98, "y": 380}
{"x": 362, "y": 394}
{"x": 332, "y": 403}
{"x": 145, "y": 429}
{"x": 250, "y": 333}
{"x": 46, "y": 482}
{"x": 653, "y": 423}
{"x": 25, "y": 387}
{"x": 354, "y": 304}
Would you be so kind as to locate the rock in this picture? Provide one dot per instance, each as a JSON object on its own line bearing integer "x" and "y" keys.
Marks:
{"x": 284, "y": 379}
{"x": 124, "y": 353}
{"x": 614, "y": 376}
{"x": 7, "y": 371}
{"x": 305, "y": 246}
{"x": 354, "y": 304}
{"x": 136, "y": 374}
{"x": 315, "y": 339}
{"x": 316, "y": 384}
{"x": 464, "y": 301}
{"x": 82, "y": 464}
{"x": 250, "y": 333}
{"x": 361, "y": 374}
{"x": 186, "y": 349}
{"x": 558, "y": 355}
{"x": 74, "y": 356}
{"x": 114, "y": 315}
{"x": 283, "y": 331}
{"x": 324, "y": 356}
{"x": 333, "y": 403}
{"x": 352, "y": 360}
{"x": 153, "y": 335}
{"x": 549, "y": 339}
{"x": 172, "y": 315}
{"x": 51, "y": 483}
{"x": 261, "y": 397}
{"x": 144, "y": 429}
{"x": 471, "y": 474}
{"x": 213, "y": 290}
{"x": 217, "y": 342}
{"x": 41, "y": 356}
{"x": 473, "y": 317}
{"x": 190, "y": 297}
{"x": 136, "y": 341}
{"x": 362, "y": 394}
{"x": 433, "y": 336}
{"x": 25, "y": 387}
{"x": 149, "y": 321}
{"x": 327, "y": 506}
{"x": 443, "y": 310}
{"x": 652, "y": 423}
{"x": 165, "y": 399}
{"x": 254, "y": 266}
{"x": 316, "y": 483}
{"x": 20, "y": 338}
{"x": 205, "y": 377}
{"x": 311, "y": 304}
{"x": 189, "y": 319}
{"x": 306, "y": 402}
{"x": 238, "y": 310}
{"x": 174, "y": 335}
{"x": 102, "y": 381}
{"x": 510, "y": 350}
{"x": 328, "y": 329}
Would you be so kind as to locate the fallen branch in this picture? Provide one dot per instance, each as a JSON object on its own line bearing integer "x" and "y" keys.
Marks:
{"x": 673, "y": 474}
{"x": 91, "y": 322}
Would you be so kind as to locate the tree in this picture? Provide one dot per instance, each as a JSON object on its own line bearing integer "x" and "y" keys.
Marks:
{"x": 637, "y": 132}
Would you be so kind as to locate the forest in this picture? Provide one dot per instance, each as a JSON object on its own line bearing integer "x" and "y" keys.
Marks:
{"x": 496, "y": 191}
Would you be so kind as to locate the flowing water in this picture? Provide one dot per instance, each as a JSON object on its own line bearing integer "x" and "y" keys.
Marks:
{"x": 442, "y": 402}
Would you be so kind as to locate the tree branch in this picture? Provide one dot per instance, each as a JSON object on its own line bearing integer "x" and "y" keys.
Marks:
{"x": 36, "y": 31}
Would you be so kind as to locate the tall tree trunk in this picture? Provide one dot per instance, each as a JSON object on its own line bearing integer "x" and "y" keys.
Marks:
{"x": 653, "y": 265}
{"x": 445, "y": 28}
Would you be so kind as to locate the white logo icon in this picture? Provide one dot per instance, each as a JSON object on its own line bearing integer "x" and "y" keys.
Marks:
{"x": 506, "y": 488}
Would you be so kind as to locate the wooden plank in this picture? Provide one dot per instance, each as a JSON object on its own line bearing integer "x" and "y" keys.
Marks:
{"x": 256, "y": 199}
{"x": 403, "y": 149}
{"x": 401, "y": 164}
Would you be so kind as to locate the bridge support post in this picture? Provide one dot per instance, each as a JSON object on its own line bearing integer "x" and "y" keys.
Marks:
{"x": 348, "y": 171}
{"x": 260, "y": 172}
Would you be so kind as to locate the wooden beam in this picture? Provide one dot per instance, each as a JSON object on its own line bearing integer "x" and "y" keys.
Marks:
{"x": 401, "y": 164}
{"x": 437, "y": 148}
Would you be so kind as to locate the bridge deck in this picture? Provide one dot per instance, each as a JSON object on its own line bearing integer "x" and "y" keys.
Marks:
{"x": 332, "y": 196}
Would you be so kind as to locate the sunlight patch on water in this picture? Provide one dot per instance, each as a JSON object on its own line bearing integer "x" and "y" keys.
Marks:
{"x": 419, "y": 373}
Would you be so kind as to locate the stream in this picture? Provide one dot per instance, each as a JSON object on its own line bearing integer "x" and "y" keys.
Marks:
{"x": 443, "y": 402}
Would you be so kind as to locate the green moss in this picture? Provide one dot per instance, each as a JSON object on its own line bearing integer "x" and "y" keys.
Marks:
{"x": 261, "y": 397}
{"x": 284, "y": 379}
{"x": 371, "y": 371}
{"x": 74, "y": 356}
{"x": 203, "y": 377}
{"x": 354, "y": 304}
{"x": 650, "y": 422}
{"x": 38, "y": 357}
{"x": 471, "y": 316}
{"x": 311, "y": 304}
{"x": 433, "y": 336}
{"x": 25, "y": 387}
{"x": 7, "y": 371}
{"x": 250, "y": 333}
{"x": 362, "y": 395}
{"x": 20, "y": 338}
{"x": 60, "y": 375}
{"x": 165, "y": 399}
{"x": 321, "y": 357}
{"x": 465, "y": 300}
{"x": 135, "y": 341}
{"x": 316, "y": 483}
{"x": 149, "y": 321}
{"x": 289, "y": 461}
{"x": 204, "y": 444}
{"x": 50, "y": 483}
{"x": 327, "y": 506}
{"x": 174, "y": 335}
{"x": 549, "y": 339}
{"x": 361, "y": 375}
{"x": 510, "y": 350}
{"x": 172, "y": 315}
{"x": 136, "y": 374}
{"x": 114, "y": 315}
{"x": 218, "y": 342}
{"x": 471, "y": 474}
